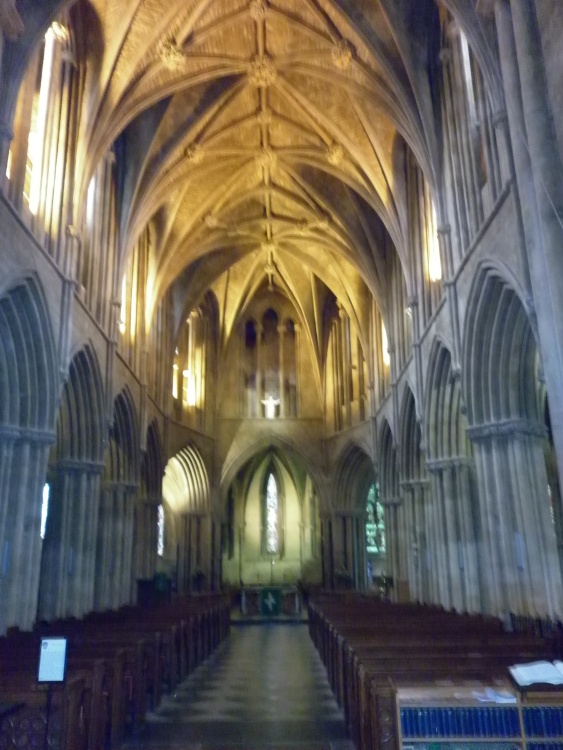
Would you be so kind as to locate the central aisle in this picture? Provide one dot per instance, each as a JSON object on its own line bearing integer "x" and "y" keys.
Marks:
{"x": 264, "y": 687}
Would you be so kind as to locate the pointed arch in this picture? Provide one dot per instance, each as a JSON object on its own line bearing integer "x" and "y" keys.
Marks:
{"x": 81, "y": 423}
{"x": 445, "y": 420}
{"x": 124, "y": 451}
{"x": 410, "y": 446}
{"x": 152, "y": 464}
{"x": 185, "y": 486}
{"x": 389, "y": 477}
{"x": 28, "y": 364}
{"x": 354, "y": 474}
{"x": 500, "y": 355}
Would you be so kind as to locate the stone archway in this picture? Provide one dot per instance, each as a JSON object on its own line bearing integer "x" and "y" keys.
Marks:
{"x": 69, "y": 550}
{"x": 28, "y": 394}
{"x": 501, "y": 384}
{"x": 449, "y": 459}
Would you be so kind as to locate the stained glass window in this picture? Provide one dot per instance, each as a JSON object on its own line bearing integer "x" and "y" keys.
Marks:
{"x": 160, "y": 531}
{"x": 375, "y": 523}
{"x": 272, "y": 542}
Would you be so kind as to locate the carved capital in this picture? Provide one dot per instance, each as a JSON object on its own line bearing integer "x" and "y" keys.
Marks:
{"x": 506, "y": 428}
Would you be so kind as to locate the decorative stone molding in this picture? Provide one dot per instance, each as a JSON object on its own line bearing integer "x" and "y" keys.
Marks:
{"x": 342, "y": 54}
{"x": 451, "y": 462}
{"x": 80, "y": 466}
{"x": 233, "y": 230}
{"x": 413, "y": 484}
{"x": 303, "y": 226}
{"x": 269, "y": 247}
{"x": 266, "y": 159}
{"x": 258, "y": 10}
{"x": 194, "y": 153}
{"x": 262, "y": 72}
{"x": 264, "y": 117}
{"x": 211, "y": 221}
{"x": 323, "y": 224}
{"x": 172, "y": 55}
{"x": 391, "y": 502}
{"x": 10, "y": 20}
{"x": 335, "y": 154}
{"x": 506, "y": 428}
{"x": 15, "y": 434}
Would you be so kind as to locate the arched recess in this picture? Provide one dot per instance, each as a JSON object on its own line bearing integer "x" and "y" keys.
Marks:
{"x": 150, "y": 498}
{"x": 28, "y": 392}
{"x": 390, "y": 499}
{"x": 115, "y": 581}
{"x": 292, "y": 514}
{"x": 191, "y": 545}
{"x": 75, "y": 467}
{"x": 344, "y": 531}
{"x": 505, "y": 410}
{"x": 414, "y": 505}
{"x": 452, "y": 506}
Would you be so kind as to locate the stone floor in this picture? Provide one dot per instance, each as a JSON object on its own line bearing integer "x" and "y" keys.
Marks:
{"x": 265, "y": 688}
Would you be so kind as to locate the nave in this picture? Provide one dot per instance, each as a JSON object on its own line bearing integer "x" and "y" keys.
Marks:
{"x": 264, "y": 687}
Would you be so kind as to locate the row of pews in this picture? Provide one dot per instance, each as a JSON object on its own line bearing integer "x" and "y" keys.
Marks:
{"x": 373, "y": 649}
{"x": 119, "y": 664}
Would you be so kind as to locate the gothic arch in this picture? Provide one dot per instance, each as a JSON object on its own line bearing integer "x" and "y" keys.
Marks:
{"x": 445, "y": 422}
{"x": 28, "y": 393}
{"x": 124, "y": 450}
{"x": 452, "y": 520}
{"x": 505, "y": 409}
{"x": 410, "y": 439}
{"x": 81, "y": 427}
{"x": 353, "y": 476}
{"x": 185, "y": 486}
{"x": 389, "y": 476}
{"x": 27, "y": 357}
{"x": 500, "y": 357}
{"x": 152, "y": 464}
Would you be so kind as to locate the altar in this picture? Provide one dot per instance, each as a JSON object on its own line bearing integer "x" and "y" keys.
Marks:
{"x": 271, "y": 602}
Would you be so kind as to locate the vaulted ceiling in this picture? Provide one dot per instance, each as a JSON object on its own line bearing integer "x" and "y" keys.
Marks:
{"x": 263, "y": 139}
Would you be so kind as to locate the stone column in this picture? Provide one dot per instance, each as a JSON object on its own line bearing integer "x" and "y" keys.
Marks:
{"x": 281, "y": 339}
{"x": 69, "y": 547}
{"x": 23, "y": 463}
{"x": 327, "y": 551}
{"x": 521, "y": 571}
{"x": 530, "y": 116}
{"x": 259, "y": 374}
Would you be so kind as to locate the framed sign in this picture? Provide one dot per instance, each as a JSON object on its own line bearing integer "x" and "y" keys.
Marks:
{"x": 52, "y": 660}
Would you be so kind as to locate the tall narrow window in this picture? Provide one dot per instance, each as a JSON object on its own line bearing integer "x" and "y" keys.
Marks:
{"x": 375, "y": 524}
{"x": 44, "y": 509}
{"x": 272, "y": 512}
{"x": 433, "y": 246}
{"x": 160, "y": 531}
{"x": 385, "y": 346}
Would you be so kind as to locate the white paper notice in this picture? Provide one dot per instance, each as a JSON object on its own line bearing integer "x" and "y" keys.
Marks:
{"x": 52, "y": 659}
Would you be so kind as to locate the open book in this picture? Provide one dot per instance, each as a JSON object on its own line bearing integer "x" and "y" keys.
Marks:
{"x": 538, "y": 671}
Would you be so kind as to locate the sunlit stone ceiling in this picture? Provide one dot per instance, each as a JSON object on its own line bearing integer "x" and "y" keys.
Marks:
{"x": 263, "y": 140}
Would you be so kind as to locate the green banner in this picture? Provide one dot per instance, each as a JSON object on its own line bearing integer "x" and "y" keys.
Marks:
{"x": 270, "y": 602}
